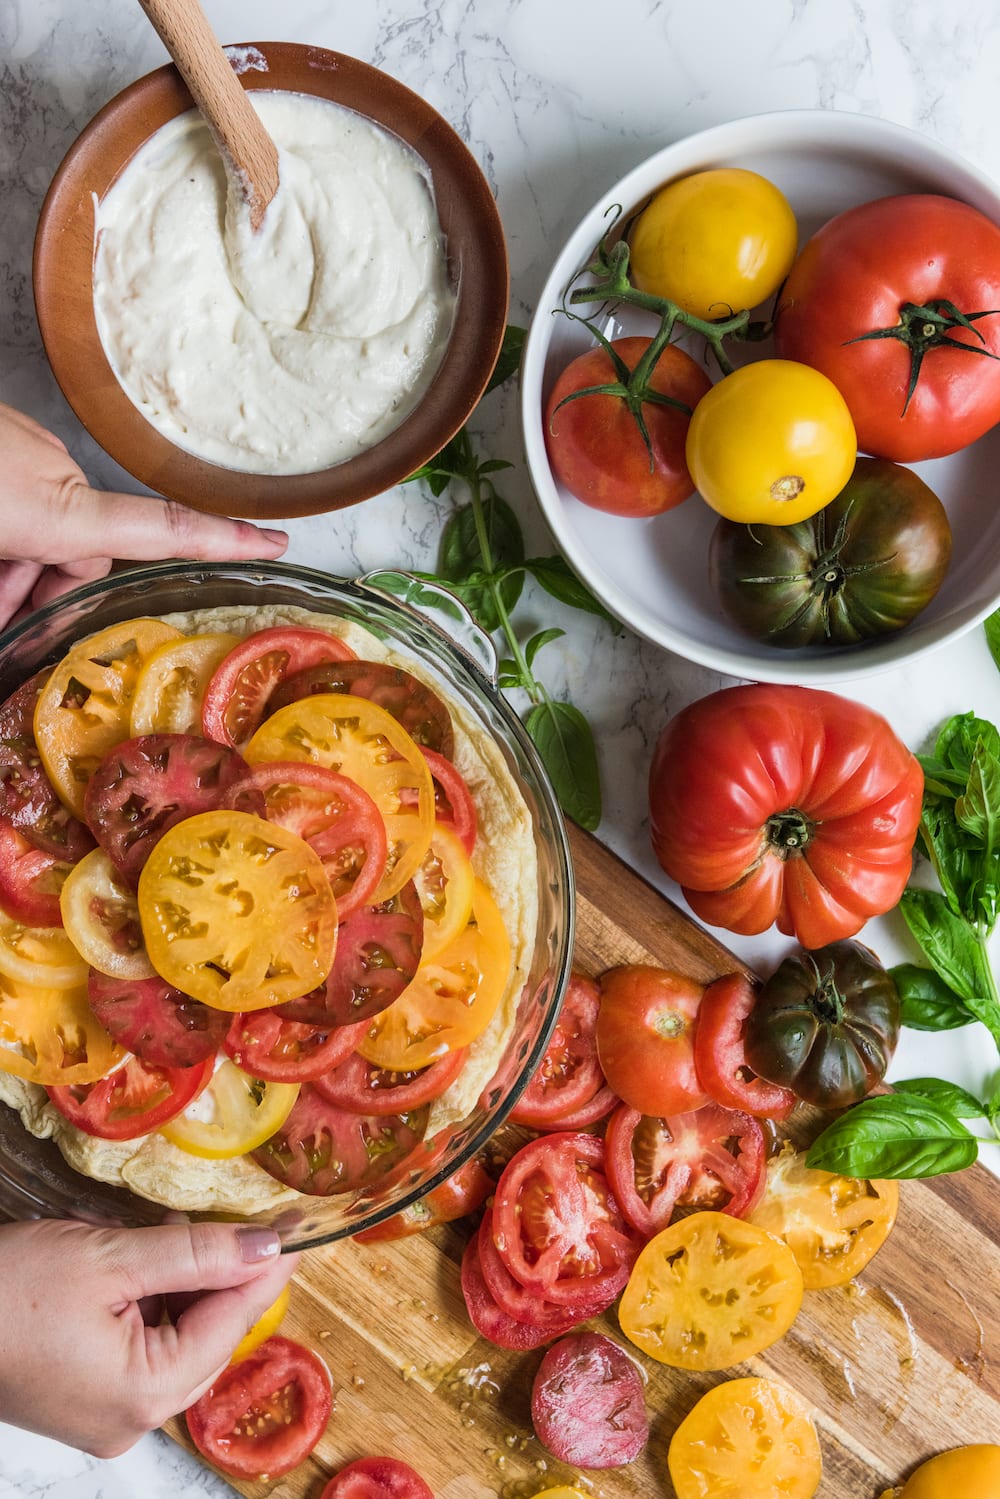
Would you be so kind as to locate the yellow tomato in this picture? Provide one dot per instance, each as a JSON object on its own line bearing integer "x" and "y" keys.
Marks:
{"x": 971, "y": 1472}
{"x": 444, "y": 883}
{"x": 52, "y": 1036}
{"x": 832, "y": 1224}
{"x": 232, "y": 1116}
{"x": 85, "y": 706}
{"x": 359, "y": 739}
{"x": 715, "y": 243}
{"x": 771, "y": 443}
{"x": 746, "y": 1439}
{"x": 42, "y": 955}
{"x": 101, "y": 916}
{"x": 263, "y": 1328}
{"x": 171, "y": 685}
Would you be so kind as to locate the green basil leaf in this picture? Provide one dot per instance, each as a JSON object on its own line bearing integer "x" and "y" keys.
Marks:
{"x": 947, "y": 943}
{"x": 926, "y": 1002}
{"x": 565, "y": 742}
{"x": 509, "y": 357}
{"x": 462, "y": 561}
{"x": 494, "y": 466}
{"x": 991, "y": 625}
{"x": 409, "y": 587}
{"x": 534, "y": 645}
{"x": 894, "y": 1135}
{"x": 946, "y": 1095}
{"x": 957, "y": 739}
{"x": 455, "y": 461}
{"x": 555, "y": 575}
{"x": 978, "y": 808}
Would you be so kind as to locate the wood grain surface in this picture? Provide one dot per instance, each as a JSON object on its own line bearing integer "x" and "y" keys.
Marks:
{"x": 902, "y": 1363}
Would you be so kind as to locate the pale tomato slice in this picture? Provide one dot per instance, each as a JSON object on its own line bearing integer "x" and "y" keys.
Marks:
{"x": 451, "y": 999}
{"x": 85, "y": 706}
{"x": 748, "y": 1439}
{"x": 41, "y": 955}
{"x": 234, "y": 1114}
{"x": 101, "y": 916}
{"x": 444, "y": 883}
{"x": 237, "y": 912}
{"x": 170, "y": 687}
{"x": 359, "y": 739}
{"x": 52, "y": 1036}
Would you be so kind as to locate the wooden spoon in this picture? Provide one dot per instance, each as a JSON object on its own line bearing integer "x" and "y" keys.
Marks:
{"x": 249, "y": 153}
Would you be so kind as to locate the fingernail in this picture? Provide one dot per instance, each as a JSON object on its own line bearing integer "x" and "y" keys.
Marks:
{"x": 257, "y": 1244}
{"x": 280, "y": 538}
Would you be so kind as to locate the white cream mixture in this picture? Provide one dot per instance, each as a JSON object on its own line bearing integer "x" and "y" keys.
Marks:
{"x": 294, "y": 348}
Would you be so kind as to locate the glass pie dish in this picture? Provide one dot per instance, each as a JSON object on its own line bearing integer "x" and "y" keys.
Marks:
{"x": 35, "y": 1179}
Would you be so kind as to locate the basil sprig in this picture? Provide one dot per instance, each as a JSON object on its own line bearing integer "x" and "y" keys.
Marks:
{"x": 918, "y": 1129}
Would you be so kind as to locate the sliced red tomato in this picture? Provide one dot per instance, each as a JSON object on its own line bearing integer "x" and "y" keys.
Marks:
{"x": 453, "y": 802}
{"x": 134, "y": 1100}
{"x": 523, "y": 1303}
{"x": 588, "y": 1403}
{"x": 377, "y": 1478}
{"x": 31, "y": 880}
{"x": 240, "y": 689}
{"x": 266, "y": 1044}
{"x": 569, "y": 1076}
{"x": 264, "y": 1414}
{"x": 411, "y": 702}
{"x": 489, "y": 1320}
{"x": 160, "y": 1024}
{"x": 144, "y": 786}
{"x": 362, "y": 1088}
{"x": 720, "y": 1057}
{"x": 322, "y": 1150}
{"x": 659, "y": 1168}
{"x": 556, "y": 1224}
{"x": 645, "y": 1038}
{"x": 336, "y": 818}
{"x": 28, "y": 800}
{"x": 461, "y": 1193}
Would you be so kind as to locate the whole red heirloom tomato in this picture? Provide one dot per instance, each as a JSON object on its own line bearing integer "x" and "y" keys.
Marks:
{"x": 773, "y": 803}
{"x": 615, "y": 432}
{"x": 898, "y": 302}
{"x": 645, "y": 1038}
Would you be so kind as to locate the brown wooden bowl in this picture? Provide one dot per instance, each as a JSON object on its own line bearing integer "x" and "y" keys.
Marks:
{"x": 63, "y": 285}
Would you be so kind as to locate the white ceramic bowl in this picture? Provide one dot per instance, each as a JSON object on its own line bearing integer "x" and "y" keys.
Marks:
{"x": 653, "y": 574}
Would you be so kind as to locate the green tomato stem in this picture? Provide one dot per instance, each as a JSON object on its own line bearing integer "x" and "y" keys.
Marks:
{"x": 475, "y": 483}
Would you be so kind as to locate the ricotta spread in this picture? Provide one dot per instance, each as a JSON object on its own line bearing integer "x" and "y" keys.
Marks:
{"x": 293, "y": 348}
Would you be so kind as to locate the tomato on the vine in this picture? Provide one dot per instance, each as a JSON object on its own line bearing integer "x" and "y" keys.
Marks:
{"x": 615, "y": 432}
{"x": 645, "y": 1038}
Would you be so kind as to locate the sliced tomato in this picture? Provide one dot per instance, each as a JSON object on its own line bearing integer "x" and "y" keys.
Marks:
{"x": 461, "y": 1193}
{"x": 338, "y": 820}
{"x": 264, "y": 1414}
{"x": 134, "y": 1100}
{"x": 489, "y": 1320}
{"x": 101, "y": 914}
{"x": 144, "y": 786}
{"x": 556, "y": 1223}
{"x": 453, "y": 803}
{"x": 240, "y": 689}
{"x": 361, "y": 1088}
{"x": 659, "y": 1168}
{"x": 31, "y": 880}
{"x": 266, "y": 1325}
{"x": 569, "y": 1076}
{"x": 52, "y": 1036}
{"x": 266, "y": 1044}
{"x": 28, "y": 800}
{"x": 171, "y": 685}
{"x": 149, "y": 1017}
{"x": 234, "y": 1114}
{"x": 445, "y": 882}
{"x": 377, "y": 1478}
{"x": 40, "y": 955}
{"x": 322, "y": 1150}
{"x": 755, "y": 1439}
{"x": 411, "y": 702}
{"x": 588, "y": 1403}
{"x": 720, "y": 1058}
{"x": 528, "y": 1305}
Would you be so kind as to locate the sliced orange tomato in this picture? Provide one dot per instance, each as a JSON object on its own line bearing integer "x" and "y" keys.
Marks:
{"x": 710, "y": 1291}
{"x": 171, "y": 685}
{"x": 52, "y": 1036}
{"x": 451, "y": 999}
{"x": 832, "y": 1224}
{"x": 746, "y": 1439}
{"x": 101, "y": 916}
{"x": 237, "y": 912}
{"x": 263, "y": 1327}
{"x": 971, "y": 1472}
{"x": 85, "y": 706}
{"x": 444, "y": 883}
{"x": 40, "y": 955}
{"x": 234, "y": 1115}
{"x": 359, "y": 739}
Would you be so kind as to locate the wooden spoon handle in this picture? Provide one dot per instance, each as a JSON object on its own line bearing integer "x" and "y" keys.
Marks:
{"x": 248, "y": 150}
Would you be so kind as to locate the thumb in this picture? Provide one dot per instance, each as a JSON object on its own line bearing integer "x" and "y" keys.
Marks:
{"x": 143, "y": 528}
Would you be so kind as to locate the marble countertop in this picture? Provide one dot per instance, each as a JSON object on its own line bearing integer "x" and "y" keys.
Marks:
{"x": 556, "y": 99}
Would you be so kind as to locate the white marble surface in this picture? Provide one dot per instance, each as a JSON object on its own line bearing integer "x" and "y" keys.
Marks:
{"x": 556, "y": 99}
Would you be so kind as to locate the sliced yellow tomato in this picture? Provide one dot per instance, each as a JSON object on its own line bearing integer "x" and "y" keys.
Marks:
{"x": 746, "y": 1439}
{"x": 40, "y": 955}
{"x": 444, "y": 883}
{"x": 85, "y": 706}
{"x": 832, "y": 1224}
{"x": 263, "y": 1328}
{"x": 101, "y": 917}
{"x": 451, "y": 999}
{"x": 234, "y": 1114}
{"x": 361, "y": 740}
{"x": 171, "y": 685}
{"x": 237, "y": 912}
{"x": 52, "y": 1036}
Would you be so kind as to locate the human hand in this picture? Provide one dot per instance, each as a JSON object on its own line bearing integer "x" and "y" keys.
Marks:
{"x": 79, "y": 1360}
{"x": 56, "y": 532}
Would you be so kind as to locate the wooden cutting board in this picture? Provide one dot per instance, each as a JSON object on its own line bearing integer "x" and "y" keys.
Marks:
{"x": 902, "y": 1363}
